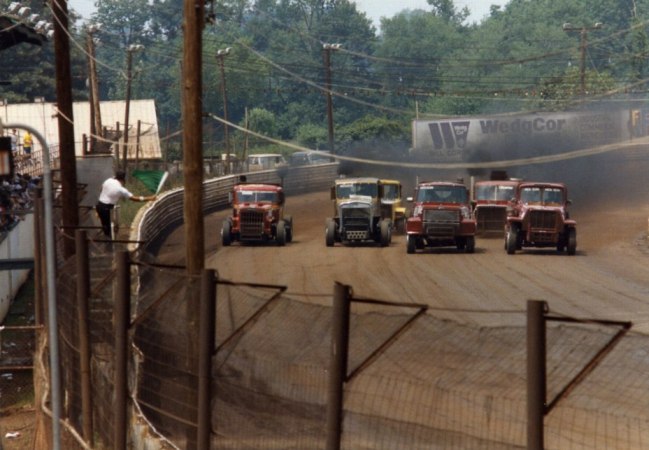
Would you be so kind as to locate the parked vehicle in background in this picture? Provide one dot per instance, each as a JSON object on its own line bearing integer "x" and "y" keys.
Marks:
{"x": 392, "y": 205}
{"x": 357, "y": 213}
{"x": 257, "y": 215}
{"x": 490, "y": 200}
{"x": 538, "y": 217}
{"x": 441, "y": 217}
{"x": 264, "y": 161}
{"x": 309, "y": 158}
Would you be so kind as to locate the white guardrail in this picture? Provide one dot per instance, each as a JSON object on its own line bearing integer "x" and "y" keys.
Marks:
{"x": 155, "y": 220}
{"x": 166, "y": 212}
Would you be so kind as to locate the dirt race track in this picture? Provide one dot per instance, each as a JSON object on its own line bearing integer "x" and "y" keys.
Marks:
{"x": 488, "y": 291}
{"x": 606, "y": 279}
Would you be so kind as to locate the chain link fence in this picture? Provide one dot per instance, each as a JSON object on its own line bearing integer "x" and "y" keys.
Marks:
{"x": 413, "y": 380}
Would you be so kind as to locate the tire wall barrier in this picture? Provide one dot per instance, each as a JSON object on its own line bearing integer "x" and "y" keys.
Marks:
{"x": 153, "y": 222}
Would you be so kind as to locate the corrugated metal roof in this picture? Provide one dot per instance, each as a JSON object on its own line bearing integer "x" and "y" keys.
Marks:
{"x": 42, "y": 117}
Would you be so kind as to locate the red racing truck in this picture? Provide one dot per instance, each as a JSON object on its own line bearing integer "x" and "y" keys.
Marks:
{"x": 538, "y": 216}
{"x": 490, "y": 201}
{"x": 441, "y": 216}
{"x": 257, "y": 215}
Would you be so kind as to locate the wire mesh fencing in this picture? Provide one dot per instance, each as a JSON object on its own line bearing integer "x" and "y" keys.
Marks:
{"x": 412, "y": 379}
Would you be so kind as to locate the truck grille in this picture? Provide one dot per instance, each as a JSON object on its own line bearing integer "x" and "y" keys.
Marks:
{"x": 441, "y": 222}
{"x": 251, "y": 224}
{"x": 543, "y": 226}
{"x": 491, "y": 218}
{"x": 356, "y": 223}
{"x": 543, "y": 220}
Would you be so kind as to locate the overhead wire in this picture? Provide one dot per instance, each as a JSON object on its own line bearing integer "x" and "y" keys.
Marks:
{"x": 351, "y": 87}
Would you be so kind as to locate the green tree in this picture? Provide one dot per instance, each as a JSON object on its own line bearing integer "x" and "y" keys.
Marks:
{"x": 312, "y": 136}
{"x": 413, "y": 48}
{"x": 447, "y": 11}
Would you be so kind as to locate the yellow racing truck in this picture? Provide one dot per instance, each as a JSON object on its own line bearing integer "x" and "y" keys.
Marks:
{"x": 391, "y": 204}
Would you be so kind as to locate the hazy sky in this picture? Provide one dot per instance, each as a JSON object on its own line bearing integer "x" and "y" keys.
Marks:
{"x": 375, "y": 9}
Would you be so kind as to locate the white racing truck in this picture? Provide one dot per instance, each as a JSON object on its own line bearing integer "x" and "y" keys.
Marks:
{"x": 357, "y": 213}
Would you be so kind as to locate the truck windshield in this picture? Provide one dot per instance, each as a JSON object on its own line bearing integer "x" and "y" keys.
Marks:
{"x": 391, "y": 191}
{"x": 442, "y": 194}
{"x": 257, "y": 196}
{"x": 553, "y": 196}
{"x": 347, "y": 190}
{"x": 531, "y": 195}
{"x": 494, "y": 192}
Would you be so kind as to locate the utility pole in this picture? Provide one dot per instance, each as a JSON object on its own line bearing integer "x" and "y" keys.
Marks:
{"x": 220, "y": 56}
{"x": 327, "y": 48}
{"x": 67, "y": 153}
{"x": 129, "y": 78}
{"x": 93, "y": 92}
{"x": 192, "y": 122}
{"x": 192, "y": 115}
{"x": 583, "y": 32}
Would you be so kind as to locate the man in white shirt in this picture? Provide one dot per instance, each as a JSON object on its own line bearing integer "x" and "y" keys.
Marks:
{"x": 112, "y": 191}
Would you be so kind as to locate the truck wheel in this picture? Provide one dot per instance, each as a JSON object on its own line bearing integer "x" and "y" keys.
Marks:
{"x": 510, "y": 240}
{"x": 470, "y": 244}
{"x": 226, "y": 233}
{"x": 572, "y": 241}
{"x": 289, "y": 228}
{"x": 460, "y": 243}
{"x": 330, "y": 232}
{"x": 411, "y": 244}
{"x": 280, "y": 233}
{"x": 386, "y": 232}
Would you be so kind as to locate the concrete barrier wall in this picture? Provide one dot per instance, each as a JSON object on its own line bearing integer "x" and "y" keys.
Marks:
{"x": 154, "y": 221}
{"x": 18, "y": 243}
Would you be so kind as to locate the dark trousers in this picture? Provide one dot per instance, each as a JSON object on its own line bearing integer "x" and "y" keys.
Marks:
{"x": 103, "y": 211}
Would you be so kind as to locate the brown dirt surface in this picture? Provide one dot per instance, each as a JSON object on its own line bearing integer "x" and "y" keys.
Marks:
{"x": 606, "y": 279}
{"x": 17, "y": 429}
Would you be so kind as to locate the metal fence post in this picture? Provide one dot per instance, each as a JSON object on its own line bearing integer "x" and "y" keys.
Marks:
{"x": 206, "y": 346}
{"x": 83, "y": 294}
{"x": 39, "y": 259}
{"x": 338, "y": 364}
{"x": 536, "y": 382}
{"x": 121, "y": 315}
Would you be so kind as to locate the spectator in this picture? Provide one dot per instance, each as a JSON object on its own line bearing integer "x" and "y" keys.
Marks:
{"x": 27, "y": 144}
{"x": 112, "y": 191}
{"x": 14, "y": 141}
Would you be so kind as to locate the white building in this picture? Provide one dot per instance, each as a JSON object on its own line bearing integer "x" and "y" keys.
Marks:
{"x": 42, "y": 117}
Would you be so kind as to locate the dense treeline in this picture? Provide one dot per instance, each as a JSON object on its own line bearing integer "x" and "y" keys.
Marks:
{"x": 423, "y": 62}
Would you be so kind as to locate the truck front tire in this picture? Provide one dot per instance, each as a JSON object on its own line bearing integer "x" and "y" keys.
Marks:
{"x": 289, "y": 228}
{"x": 510, "y": 240}
{"x": 330, "y": 232}
{"x": 386, "y": 232}
{"x": 470, "y": 244}
{"x": 572, "y": 241}
{"x": 411, "y": 244}
{"x": 226, "y": 233}
{"x": 281, "y": 233}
